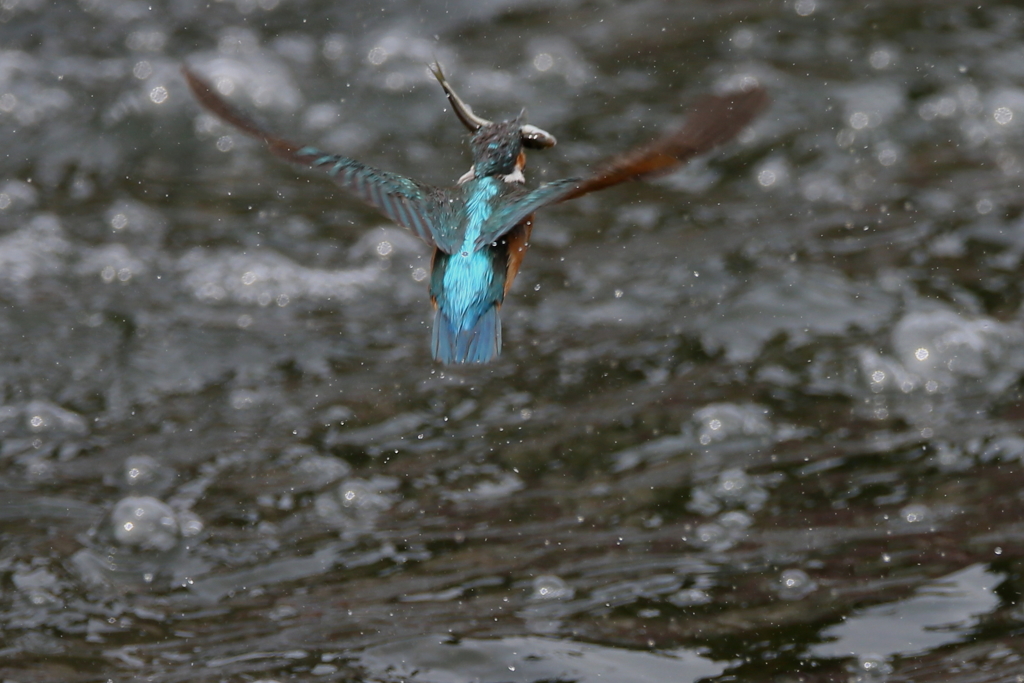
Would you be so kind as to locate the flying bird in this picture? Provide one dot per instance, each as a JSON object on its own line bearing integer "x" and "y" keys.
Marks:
{"x": 480, "y": 228}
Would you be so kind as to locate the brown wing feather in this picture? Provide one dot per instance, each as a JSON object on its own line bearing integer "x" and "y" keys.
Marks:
{"x": 715, "y": 119}
{"x": 416, "y": 206}
{"x": 217, "y": 105}
{"x": 518, "y": 242}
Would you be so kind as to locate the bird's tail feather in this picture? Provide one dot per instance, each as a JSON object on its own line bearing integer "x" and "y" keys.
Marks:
{"x": 478, "y": 343}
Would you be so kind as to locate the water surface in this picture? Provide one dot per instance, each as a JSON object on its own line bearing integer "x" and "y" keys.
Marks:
{"x": 757, "y": 421}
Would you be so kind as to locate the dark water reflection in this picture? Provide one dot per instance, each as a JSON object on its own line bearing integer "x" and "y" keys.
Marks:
{"x": 757, "y": 421}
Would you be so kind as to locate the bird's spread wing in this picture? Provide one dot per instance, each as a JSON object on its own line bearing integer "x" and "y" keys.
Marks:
{"x": 412, "y": 205}
{"x": 716, "y": 119}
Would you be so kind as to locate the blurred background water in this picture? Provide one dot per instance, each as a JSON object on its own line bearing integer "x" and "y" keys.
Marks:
{"x": 759, "y": 420}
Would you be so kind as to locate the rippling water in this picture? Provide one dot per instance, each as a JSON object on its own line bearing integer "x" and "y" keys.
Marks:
{"x": 759, "y": 420}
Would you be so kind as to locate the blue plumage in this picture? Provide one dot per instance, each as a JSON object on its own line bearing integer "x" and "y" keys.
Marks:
{"x": 480, "y": 229}
{"x": 479, "y": 342}
{"x": 466, "y": 326}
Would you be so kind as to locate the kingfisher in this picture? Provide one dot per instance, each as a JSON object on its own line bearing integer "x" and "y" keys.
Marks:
{"x": 480, "y": 228}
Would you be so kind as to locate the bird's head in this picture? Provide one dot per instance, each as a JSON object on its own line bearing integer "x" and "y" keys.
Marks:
{"x": 498, "y": 148}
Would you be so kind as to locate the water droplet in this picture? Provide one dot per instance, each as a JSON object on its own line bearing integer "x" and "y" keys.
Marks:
{"x": 858, "y": 120}
{"x": 688, "y": 597}
{"x": 805, "y": 8}
{"x": 144, "y": 522}
{"x": 887, "y": 156}
{"x": 874, "y": 666}
{"x": 8, "y": 101}
{"x": 880, "y": 59}
{"x": 551, "y": 587}
{"x": 140, "y": 469}
{"x": 743, "y": 38}
{"x": 766, "y": 177}
{"x": 914, "y": 513}
{"x": 142, "y": 70}
{"x": 794, "y": 584}
{"x": 158, "y": 95}
{"x": 334, "y": 47}
{"x": 377, "y": 56}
